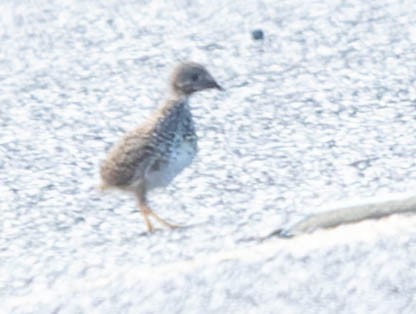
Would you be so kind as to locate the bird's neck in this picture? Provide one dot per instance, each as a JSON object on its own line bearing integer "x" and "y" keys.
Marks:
{"x": 178, "y": 96}
{"x": 173, "y": 105}
{"x": 178, "y": 100}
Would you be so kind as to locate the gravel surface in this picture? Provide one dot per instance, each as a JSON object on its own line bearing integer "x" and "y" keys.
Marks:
{"x": 322, "y": 109}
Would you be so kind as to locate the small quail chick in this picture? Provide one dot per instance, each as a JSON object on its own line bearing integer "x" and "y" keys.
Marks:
{"x": 154, "y": 153}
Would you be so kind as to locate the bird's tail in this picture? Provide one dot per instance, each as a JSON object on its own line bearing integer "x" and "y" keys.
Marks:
{"x": 103, "y": 187}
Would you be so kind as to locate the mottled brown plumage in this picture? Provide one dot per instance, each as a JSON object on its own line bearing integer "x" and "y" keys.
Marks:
{"x": 151, "y": 155}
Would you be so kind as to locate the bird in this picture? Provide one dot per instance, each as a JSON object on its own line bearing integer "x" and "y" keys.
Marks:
{"x": 152, "y": 154}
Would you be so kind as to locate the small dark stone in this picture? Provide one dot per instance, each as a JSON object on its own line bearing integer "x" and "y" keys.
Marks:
{"x": 257, "y": 34}
{"x": 78, "y": 220}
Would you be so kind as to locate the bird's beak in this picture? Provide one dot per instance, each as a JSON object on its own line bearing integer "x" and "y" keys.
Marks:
{"x": 215, "y": 85}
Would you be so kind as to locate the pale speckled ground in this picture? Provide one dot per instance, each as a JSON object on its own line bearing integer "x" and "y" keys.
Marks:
{"x": 322, "y": 110}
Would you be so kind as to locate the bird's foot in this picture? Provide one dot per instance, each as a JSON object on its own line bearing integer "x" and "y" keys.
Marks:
{"x": 164, "y": 222}
{"x": 146, "y": 212}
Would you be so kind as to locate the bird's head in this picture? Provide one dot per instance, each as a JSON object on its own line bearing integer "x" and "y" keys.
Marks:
{"x": 190, "y": 77}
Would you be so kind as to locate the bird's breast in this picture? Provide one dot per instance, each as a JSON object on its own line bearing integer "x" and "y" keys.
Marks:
{"x": 181, "y": 154}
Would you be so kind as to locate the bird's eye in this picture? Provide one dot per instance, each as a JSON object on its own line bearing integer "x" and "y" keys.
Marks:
{"x": 194, "y": 77}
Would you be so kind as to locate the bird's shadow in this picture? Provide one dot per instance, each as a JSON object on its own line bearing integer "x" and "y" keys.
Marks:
{"x": 161, "y": 230}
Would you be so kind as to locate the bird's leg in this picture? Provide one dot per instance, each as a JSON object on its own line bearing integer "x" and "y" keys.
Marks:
{"x": 146, "y": 212}
{"x": 144, "y": 209}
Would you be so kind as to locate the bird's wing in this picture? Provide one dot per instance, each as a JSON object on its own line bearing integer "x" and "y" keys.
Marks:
{"x": 127, "y": 160}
